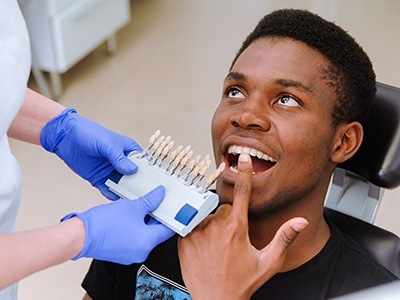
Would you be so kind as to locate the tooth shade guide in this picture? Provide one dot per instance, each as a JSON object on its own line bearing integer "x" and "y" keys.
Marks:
{"x": 179, "y": 148}
{"x": 150, "y": 143}
{"x": 186, "y": 201}
{"x": 183, "y": 207}
{"x": 214, "y": 176}
{"x": 179, "y": 161}
{"x": 173, "y": 156}
{"x": 168, "y": 139}
{"x": 197, "y": 159}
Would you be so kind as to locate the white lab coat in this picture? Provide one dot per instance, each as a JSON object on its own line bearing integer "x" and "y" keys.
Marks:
{"x": 15, "y": 63}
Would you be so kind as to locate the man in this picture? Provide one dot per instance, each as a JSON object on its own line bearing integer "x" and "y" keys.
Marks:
{"x": 294, "y": 100}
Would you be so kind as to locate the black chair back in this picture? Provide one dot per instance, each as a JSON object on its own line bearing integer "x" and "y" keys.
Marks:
{"x": 378, "y": 162}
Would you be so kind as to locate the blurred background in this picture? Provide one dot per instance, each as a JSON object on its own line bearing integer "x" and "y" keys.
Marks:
{"x": 162, "y": 68}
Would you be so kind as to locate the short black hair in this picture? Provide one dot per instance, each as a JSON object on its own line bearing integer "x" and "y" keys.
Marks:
{"x": 351, "y": 74}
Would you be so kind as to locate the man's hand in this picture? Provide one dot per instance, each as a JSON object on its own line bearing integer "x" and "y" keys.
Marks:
{"x": 218, "y": 260}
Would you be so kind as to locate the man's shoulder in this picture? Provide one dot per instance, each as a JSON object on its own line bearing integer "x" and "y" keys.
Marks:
{"x": 341, "y": 267}
{"x": 355, "y": 269}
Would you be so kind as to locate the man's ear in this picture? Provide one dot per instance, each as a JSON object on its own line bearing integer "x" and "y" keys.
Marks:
{"x": 347, "y": 141}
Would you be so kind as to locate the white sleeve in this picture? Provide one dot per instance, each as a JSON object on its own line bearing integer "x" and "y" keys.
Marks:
{"x": 15, "y": 62}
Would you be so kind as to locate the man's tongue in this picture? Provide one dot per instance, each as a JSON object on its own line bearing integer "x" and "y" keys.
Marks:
{"x": 260, "y": 165}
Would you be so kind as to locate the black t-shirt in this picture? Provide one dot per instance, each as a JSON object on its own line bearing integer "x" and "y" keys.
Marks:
{"x": 341, "y": 267}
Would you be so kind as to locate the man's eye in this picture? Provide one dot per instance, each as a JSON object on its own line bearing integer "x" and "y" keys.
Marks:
{"x": 286, "y": 100}
{"x": 235, "y": 93}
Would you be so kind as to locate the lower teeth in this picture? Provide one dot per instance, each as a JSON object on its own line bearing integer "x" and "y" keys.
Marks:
{"x": 235, "y": 170}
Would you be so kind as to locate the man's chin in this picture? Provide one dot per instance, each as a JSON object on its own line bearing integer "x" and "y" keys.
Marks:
{"x": 225, "y": 193}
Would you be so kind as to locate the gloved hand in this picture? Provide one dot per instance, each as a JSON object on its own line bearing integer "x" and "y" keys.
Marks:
{"x": 117, "y": 231}
{"x": 88, "y": 148}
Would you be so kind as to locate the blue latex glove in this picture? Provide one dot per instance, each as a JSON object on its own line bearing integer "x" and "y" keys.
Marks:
{"x": 88, "y": 148}
{"x": 117, "y": 231}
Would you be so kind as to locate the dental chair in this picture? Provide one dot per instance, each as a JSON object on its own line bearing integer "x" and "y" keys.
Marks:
{"x": 358, "y": 184}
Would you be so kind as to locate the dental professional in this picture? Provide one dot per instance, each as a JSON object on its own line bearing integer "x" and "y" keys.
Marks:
{"x": 115, "y": 231}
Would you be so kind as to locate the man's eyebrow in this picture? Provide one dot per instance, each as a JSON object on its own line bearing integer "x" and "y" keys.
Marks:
{"x": 235, "y": 76}
{"x": 282, "y": 82}
{"x": 294, "y": 84}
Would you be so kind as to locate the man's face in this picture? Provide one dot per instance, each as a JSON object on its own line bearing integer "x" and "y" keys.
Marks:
{"x": 276, "y": 105}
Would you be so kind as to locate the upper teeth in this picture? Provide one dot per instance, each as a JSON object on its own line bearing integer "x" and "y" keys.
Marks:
{"x": 252, "y": 152}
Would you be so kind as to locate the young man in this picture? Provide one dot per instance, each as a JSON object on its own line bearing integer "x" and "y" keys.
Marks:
{"x": 294, "y": 99}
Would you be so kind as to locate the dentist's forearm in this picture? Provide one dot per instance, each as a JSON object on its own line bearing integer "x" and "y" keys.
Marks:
{"x": 35, "y": 112}
{"x": 25, "y": 253}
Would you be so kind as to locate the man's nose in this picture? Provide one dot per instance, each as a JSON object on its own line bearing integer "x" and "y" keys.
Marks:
{"x": 251, "y": 115}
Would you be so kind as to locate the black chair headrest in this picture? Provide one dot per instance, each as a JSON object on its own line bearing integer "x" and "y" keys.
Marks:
{"x": 378, "y": 159}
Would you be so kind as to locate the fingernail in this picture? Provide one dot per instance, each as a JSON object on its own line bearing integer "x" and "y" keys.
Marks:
{"x": 244, "y": 158}
{"x": 299, "y": 226}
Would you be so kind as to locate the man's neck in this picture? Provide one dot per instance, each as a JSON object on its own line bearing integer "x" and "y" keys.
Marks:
{"x": 307, "y": 245}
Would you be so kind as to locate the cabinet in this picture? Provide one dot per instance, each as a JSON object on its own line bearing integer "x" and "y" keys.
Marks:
{"x": 62, "y": 32}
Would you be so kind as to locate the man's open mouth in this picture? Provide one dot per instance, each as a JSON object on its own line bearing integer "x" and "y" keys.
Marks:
{"x": 261, "y": 162}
